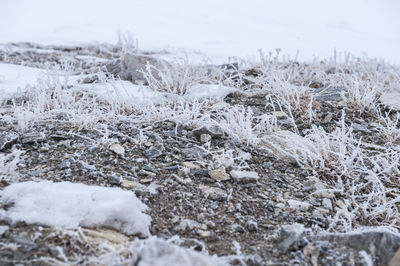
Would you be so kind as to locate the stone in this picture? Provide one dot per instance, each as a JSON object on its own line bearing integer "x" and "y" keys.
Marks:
{"x": 327, "y": 203}
{"x": 7, "y": 139}
{"x": 219, "y": 174}
{"x": 214, "y": 131}
{"x": 291, "y": 237}
{"x": 153, "y": 153}
{"x": 244, "y": 176}
{"x": 298, "y": 205}
{"x": 128, "y": 184}
{"x": 33, "y": 137}
{"x": 190, "y": 165}
{"x": 204, "y": 138}
{"x": 252, "y": 226}
{"x": 214, "y": 193}
{"x": 100, "y": 236}
{"x": 330, "y": 94}
{"x": 380, "y": 242}
{"x": 118, "y": 149}
{"x": 133, "y": 64}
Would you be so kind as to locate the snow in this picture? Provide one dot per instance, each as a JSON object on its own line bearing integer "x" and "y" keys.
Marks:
{"x": 218, "y": 28}
{"x": 158, "y": 252}
{"x": 15, "y": 78}
{"x": 70, "y": 205}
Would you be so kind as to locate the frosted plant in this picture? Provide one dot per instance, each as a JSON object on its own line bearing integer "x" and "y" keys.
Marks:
{"x": 242, "y": 126}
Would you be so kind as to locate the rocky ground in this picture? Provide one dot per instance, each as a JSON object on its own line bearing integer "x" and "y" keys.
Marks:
{"x": 298, "y": 165}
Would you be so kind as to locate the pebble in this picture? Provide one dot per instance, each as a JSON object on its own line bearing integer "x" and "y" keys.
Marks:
{"x": 327, "y": 203}
{"x": 252, "y": 226}
{"x": 214, "y": 193}
{"x": 219, "y": 174}
{"x": 298, "y": 205}
{"x": 244, "y": 176}
{"x": 118, "y": 149}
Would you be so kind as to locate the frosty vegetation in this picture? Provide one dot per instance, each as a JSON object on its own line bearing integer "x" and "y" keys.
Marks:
{"x": 363, "y": 173}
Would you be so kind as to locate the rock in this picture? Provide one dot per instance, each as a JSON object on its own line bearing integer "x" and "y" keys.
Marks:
{"x": 327, "y": 203}
{"x": 7, "y": 139}
{"x": 214, "y": 193}
{"x": 219, "y": 174}
{"x": 114, "y": 67}
{"x": 33, "y": 137}
{"x": 214, "y": 131}
{"x": 331, "y": 94}
{"x": 244, "y": 176}
{"x": 100, "y": 236}
{"x": 132, "y": 65}
{"x": 252, "y": 226}
{"x": 205, "y": 138}
{"x": 118, "y": 149}
{"x": 153, "y": 153}
{"x": 201, "y": 172}
{"x": 128, "y": 184}
{"x": 193, "y": 153}
{"x": 380, "y": 242}
{"x": 190, "y": 165}
{"x": 291, "y": 237}
{"x": 114, "y": 179}
{"x": 298, "y": 205}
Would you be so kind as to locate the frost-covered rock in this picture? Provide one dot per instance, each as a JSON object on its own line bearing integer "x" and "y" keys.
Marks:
{"x": 380, "y": 242}
{"x": 299, "y": 205}
{"x": 7, "y": 139}
{"x": 129, "y": 67}
{"x": 291, "y": 237}
{"x": 219, "y": 174}
{"x": 70, "y": 205}
{"x": 244, "y": 176}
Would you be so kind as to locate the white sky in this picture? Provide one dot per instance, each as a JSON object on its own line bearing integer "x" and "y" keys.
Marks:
{"x": 216, "y": 27}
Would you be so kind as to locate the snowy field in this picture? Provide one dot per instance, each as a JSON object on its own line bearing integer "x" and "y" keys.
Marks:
{"x": 218, "y": 28}
{"x": 190, "y": 139}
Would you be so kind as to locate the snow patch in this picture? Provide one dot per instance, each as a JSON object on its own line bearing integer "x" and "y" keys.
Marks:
{"x": 70, "y": 205}
{"x": 158, "y": 252}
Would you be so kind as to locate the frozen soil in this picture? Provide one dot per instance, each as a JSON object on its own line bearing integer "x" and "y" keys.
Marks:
{"x": 168, "y": 164}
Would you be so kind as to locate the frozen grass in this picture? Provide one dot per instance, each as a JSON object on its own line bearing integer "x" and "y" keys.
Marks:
{"x": 362, "y": 174}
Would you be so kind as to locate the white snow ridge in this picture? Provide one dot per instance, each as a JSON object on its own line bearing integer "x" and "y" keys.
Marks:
{"x": 70, "y": 205}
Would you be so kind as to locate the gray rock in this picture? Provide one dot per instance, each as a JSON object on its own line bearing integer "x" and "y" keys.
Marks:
{"x": 33, "y": 137}
{"x": 333, "y": 94}
{"x": 252, "y": 226}
{"x": 193, "y": 153}
{"x": 219, "y": 174}
{"x": 291, "y": 237}
{"x": 214, "y": 193}
{"x": 327, "y": 203}
{"x": 7, "y": 139}
{"x": 129, "y": 67}
{"x": 380, "y": 242}
{"x": 244, "y": 176}
{"x": 153, "y": 153}
{"x": 214, "y": 131}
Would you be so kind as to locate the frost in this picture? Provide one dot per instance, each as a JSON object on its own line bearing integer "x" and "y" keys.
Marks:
{"x": 70, "y": 205}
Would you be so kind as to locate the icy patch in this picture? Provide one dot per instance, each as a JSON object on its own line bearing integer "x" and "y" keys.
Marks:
{"x": 201, "y": 91}
{"x": 15, "y": 78}
{"x": 158, "y": 252}
{"x": 70, "y": 205}
{"x": 391, "y": 99}
{"x": 122, "y": 91}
